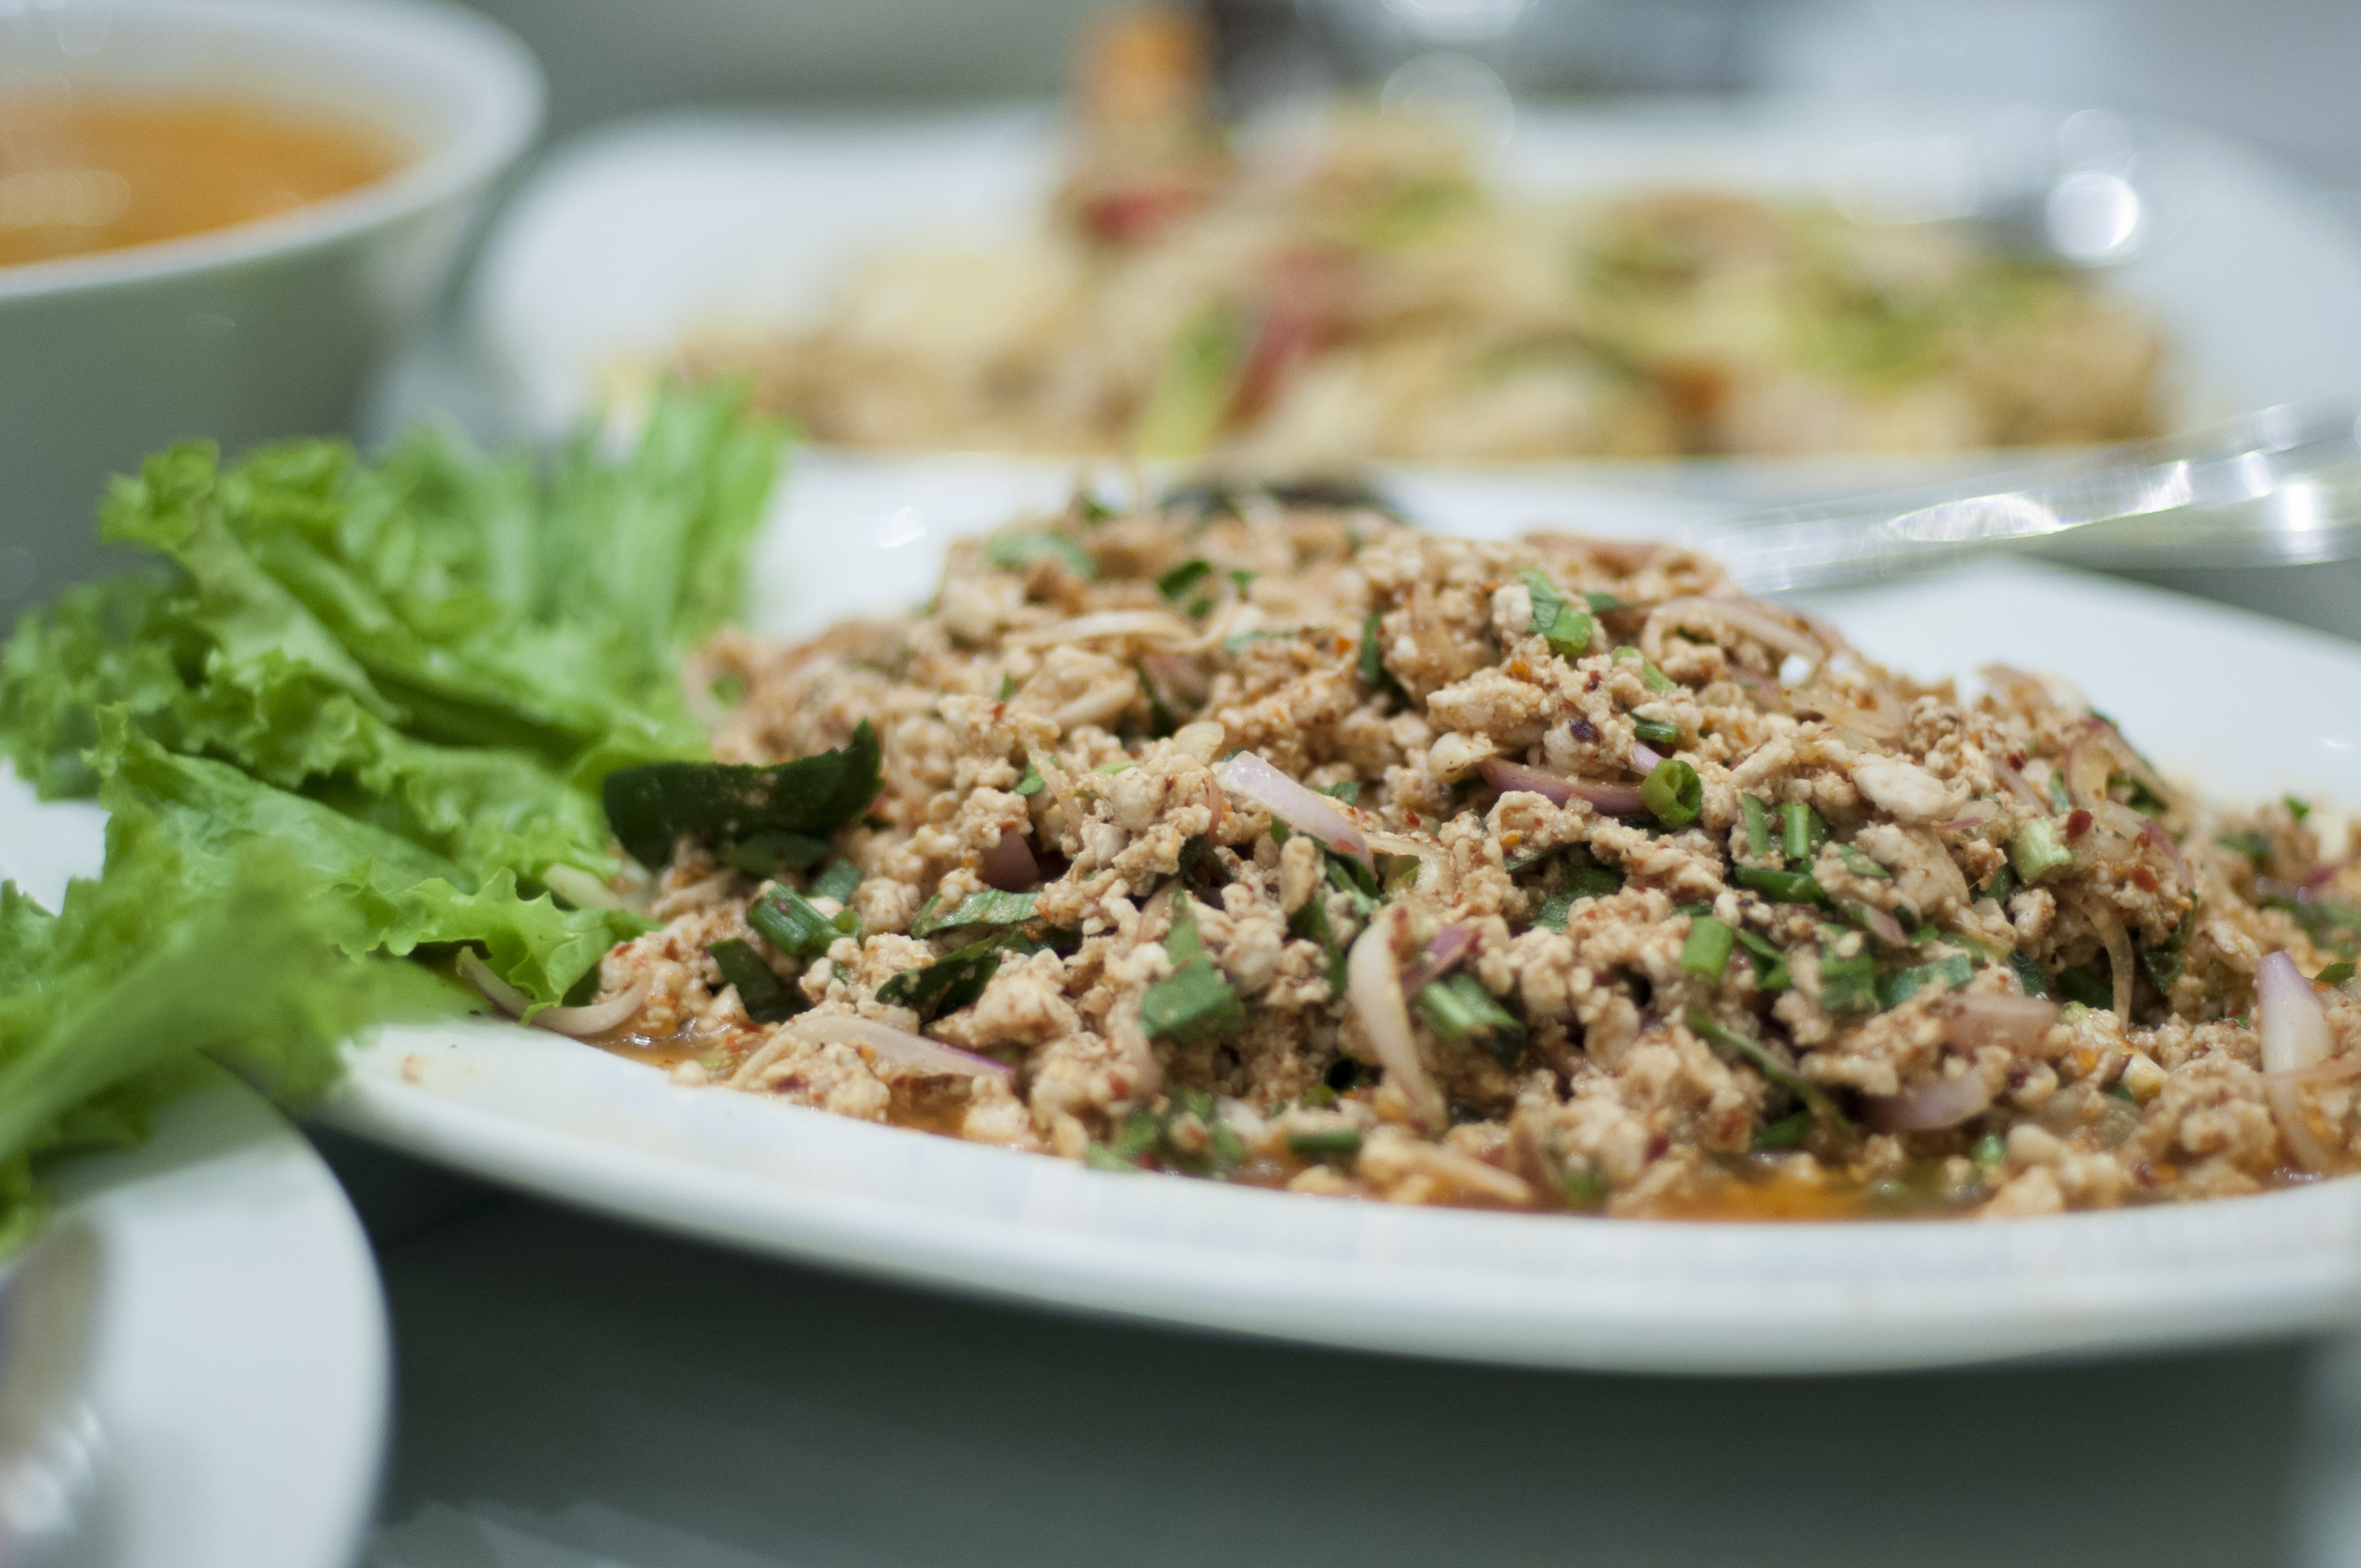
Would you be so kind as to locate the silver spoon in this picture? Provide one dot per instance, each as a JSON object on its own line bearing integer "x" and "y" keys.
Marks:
{"x": 50, "y": 1443}
{"x": 2277, "y": 488}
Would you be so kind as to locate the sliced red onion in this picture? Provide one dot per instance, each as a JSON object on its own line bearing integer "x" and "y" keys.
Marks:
{"x": 2336, "y": 1071}
{"x": 2153, "y": 831}
{"x": 1450, "y": 945}
{"x": 1644, "y": 757}
{"x": 2087, "y": 765}
{"x": 899, "y": 1047}
{"x": 1606, "y": 799}
{"x": 1301, "y": 807}
{"x": 1975, "y": 814}
{"x": 2014, "y": 1023}
{"x": 1757, "y": 620}
{"x": 1884, "y": 928}
{"x": 1944, "y": 1103}
{"x": 2027, "y": 795}
{"x": 1373, "y": 986}
{"x": 1106, "y": 623}
{"x": 2104, "y": 919}
{"x": 1009, "y": 865}
{"x": 2294, "y": 1033}
{"x": 2316, "y": 879}
{"x": 579, "y": 1022}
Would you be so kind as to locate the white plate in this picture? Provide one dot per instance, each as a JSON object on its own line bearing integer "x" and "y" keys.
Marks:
{"x": 2247, "y": 707}
{"x": 241, "y": 1369}
{"x": 633, "y": 236}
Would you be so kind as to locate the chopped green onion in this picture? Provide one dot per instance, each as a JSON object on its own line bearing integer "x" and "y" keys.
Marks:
{"x": 1008, "y": 685}
{"x": 1991, "y": 1149}
{"x": 1770, "y": 962}
{"x": 1325, "y": 1142}
{"x": 1706, "y": 953}
{"x": 1672, "y": 792}
{"x": 1848, "y": 985}
{"x": 2037, "y": 850}
{"x": 1758, "y": 825}
{"x": 794, "y": 927}
{"x": 2336, "y": 973}
{"x": 1566, "y": 630}
{"x": 1121, "y": 765}
{"x": 2031, "y": 978}
{"x": 1784, "y": 886}
{"x": 1701, "y": 1025}
{"x": 2084, "y": 984}
{"x": 990, "y": 907}
{"x": 1801, "y": 830}
{"x": 1373, "y": 658}
{"x": 1173, "y": 584}
{"x": 1655, "y": 732}
{"x": 1312, "y": 923}
{"x": 1655, "y": 679}
{"x": 2003, "y": 883}
{"x": 838, "y": 880}
{"x": 1020, "y": 551}
{"x": 1951, "y": 973}
{"x": 1586, "y": 1189}
{"x": 1031, "y": 784}
{"x": 1862, "y": 866}
{"x": 762, "y": 993}
{"x": 1458, "y": 1006}
{"x": 1785, "y": 1133}
{"x": 2253, "y": 843}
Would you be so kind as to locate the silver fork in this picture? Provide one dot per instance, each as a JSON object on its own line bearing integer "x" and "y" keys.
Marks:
{"x": 2276, "y": 488}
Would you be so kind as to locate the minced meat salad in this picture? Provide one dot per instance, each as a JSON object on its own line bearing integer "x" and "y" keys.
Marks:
{"x": 1263, "y": 839}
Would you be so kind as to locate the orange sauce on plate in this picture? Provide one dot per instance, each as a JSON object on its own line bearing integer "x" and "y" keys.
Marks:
{"x": 81, "y": 173}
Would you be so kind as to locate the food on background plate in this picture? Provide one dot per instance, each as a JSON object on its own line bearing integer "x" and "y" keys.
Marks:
{"x": 82, "y": 173}
{"x": 1252, "y": 835}
{"x": 1372, "y": 295}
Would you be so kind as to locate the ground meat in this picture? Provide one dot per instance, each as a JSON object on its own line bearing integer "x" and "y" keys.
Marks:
{"x": 1802, "y": 987}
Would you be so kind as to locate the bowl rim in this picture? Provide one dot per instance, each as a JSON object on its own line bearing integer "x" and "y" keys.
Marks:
{"x": 496, "y": 78}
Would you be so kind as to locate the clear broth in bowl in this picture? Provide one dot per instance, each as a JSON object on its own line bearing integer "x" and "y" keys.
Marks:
{"x": 85, "y": 172}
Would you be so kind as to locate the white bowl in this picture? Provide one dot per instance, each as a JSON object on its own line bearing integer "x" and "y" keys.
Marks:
{"x": 266, "y": 329}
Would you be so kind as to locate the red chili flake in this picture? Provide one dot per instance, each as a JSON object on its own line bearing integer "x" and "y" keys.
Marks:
{"x": 1591, "y": 683}
{"x": 1410, "y": 817}
{"x": 2018, "y": 759}
{"x": 2077, "y": 824}
{"x": 2143, "y": 1176}
{"x": 1584, "y": 730}
{"x": 2143, "y": 878}
{"x": 1659, "y": 1146}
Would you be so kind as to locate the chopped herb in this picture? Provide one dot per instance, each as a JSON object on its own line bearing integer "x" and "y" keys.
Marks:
{"x": 1555, "y": 909}
{"x": 1348, "y": 878}
{"x": 2137, "y": 795}
{"x": 1860, "y": 915}
{"x": 1244, "y": 579}
{"x": 653, "y": 806}
{"x": 1585, "y": 1188}
{"x": 1785, "y": 1133}
{"x": 950, "y": 982}
{"x": 2253, "y": 843}
{"x": 2003, "y": 883}
{"x": 989, "y": 906}
{"x": 1602, "y": 603}
{"x": 1801, "y": 830}
{"x": 2122, "y": 1091}
{"x": 1020, "y": 551}
{"x": 1848, "y": 985}
{"x": 1783, "y": 886}
{"x": 1325, "y": 1142}
{"x": 2336, "y": 973}
{"x": 838, "y": 880}
{"x": 1673, "y": 793}
{"x": 1373, "y": 658}
{"x": 1814, "y": 1098}
{"x": 1951, "y": 973}
{"x": 1655, "y": 732}
{"x": 1457, "y": 1006}
{"x": 1991, "y": 1149}
{"x": 1196, "y": 1001}
{"x": 796, "y": 929}
{"x": 1200, "y": 607}
{"x": 1770, "y": 962}
{"x": 1008, "y": 685}
{"x": 2084, "y": 984}
{"x": 1031, "y": 784}
{"x": 1239, "y": 641}
{"x": 768, "y": 854}
{"x": 2322, "y": 918}
{"x": 1758, "y": 820}
{"x": 1312, "y": 923}
{"x": 2162, "y": 961}
{"x": 2057, "y": 797}
{"x": 1706, "y": 953}
{"x": 1592, "y": 882}
{"x": 765, "y": 997}
{"x": 1173, "y": 584}
{"x": 1347, "y": 790}
{"x": 1121, "y": 765}
{"x": 2031, "y": 978}
{"x": 1860, "y": 864}
{"x": 1566, "y": 630}
{"x": 1319, "y": 1096}
{"x": 1098, "y": 1156}
{"x": 2036, "y": 850}
{"x": 2295, "y": 808}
